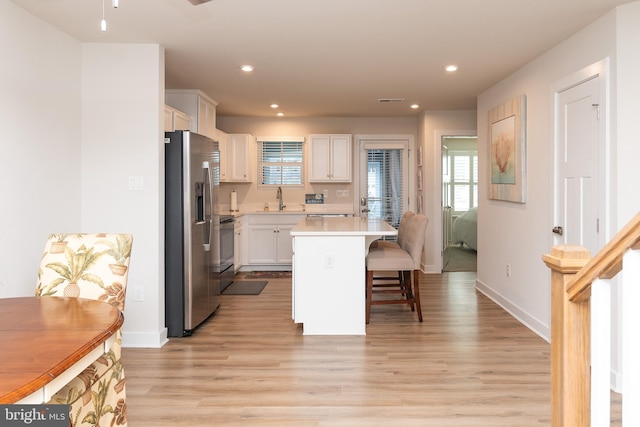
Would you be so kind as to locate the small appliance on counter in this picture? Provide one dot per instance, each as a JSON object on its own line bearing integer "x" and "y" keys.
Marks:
{"x": 233, "y": 202}
{"x": 314, "y": 199}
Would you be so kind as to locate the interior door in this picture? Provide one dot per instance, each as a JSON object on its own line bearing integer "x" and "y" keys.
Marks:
{"x": 384, "y": 180}
{"x": 577, "y": 178}
{"x": 445, "y": 196}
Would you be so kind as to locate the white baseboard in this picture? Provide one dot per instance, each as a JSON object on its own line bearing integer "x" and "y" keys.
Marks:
{"x": 616, "y": 381}
{"x": 429, "y": 269}
{"x": 144, "y": 339}
{"x": 539, "y": 328}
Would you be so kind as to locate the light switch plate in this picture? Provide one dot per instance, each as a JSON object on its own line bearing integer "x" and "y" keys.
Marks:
{"x": 136, "y": 183}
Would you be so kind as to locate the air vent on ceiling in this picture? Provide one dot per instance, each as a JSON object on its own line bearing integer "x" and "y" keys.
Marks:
{"x": 391, "y": 100}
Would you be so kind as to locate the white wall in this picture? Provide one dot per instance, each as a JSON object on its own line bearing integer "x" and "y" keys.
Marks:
{"x": 518, "y": 234}
{"x": 40, "y": 143}
{"x": 432, "y": 125}
{"x": 627, "y": 149}
{"x": 628, "y": 111}
{"x": 260, "y": 126}
{"x": 122, "y": 137}
{"x": 77, "y": 121}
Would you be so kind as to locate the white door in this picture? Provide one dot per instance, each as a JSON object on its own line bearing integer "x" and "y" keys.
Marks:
{"x": 384, "y": 180}
{"x": 578, "y": 193}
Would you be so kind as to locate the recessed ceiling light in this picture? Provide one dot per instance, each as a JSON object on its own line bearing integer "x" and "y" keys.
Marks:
{"x": 274, "y": 105}
{"x": 280, "y": 114}
{"x": 247, "y": 68}
{"x": 451, "y": 68}
{"x": 415, "y": 106}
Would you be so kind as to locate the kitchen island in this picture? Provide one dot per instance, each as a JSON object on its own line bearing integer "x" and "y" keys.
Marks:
{"x": 328, "y": 282}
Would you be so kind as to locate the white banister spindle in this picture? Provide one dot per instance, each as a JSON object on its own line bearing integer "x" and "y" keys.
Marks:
{"x": 631, "y": 338}
{"x": 600, "y": 352}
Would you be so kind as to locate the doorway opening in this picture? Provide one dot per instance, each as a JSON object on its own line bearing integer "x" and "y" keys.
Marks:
{"x": 459, "y": 202}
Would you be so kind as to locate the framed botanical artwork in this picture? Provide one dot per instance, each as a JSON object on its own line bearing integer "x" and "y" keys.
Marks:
{"x": 419, "y": 155}
{"x": 507, "y": 157}
{"x": 419, "y": 179}
{"x": 419, "y": 207}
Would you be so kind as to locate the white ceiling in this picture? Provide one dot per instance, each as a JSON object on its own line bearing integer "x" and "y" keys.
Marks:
{"x": 333, "y": 58}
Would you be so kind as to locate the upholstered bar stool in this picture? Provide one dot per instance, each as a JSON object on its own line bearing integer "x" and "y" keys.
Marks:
{"x": 402, "y": 231}
{"x": 404, "y": 260}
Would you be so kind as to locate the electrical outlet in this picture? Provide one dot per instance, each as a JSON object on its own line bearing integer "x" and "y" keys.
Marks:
{"x": 138, "y": 293}
{"x": 329, "y": 261}
{"x": 508, "y": 270}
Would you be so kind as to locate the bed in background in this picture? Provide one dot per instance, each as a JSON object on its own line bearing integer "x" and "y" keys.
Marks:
{"x": 465, "y": 229}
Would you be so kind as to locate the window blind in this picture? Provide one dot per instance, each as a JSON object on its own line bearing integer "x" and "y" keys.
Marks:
{"x": 464, "y": 180}
{"x": 385, "y": 185}
{"x": 281, "y": 162}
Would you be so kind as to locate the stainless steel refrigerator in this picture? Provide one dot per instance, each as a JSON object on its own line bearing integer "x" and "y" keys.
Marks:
{"x": 192, "y": 231}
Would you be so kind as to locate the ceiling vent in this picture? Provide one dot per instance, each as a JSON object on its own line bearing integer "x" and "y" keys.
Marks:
{"x": 386, "y": 100}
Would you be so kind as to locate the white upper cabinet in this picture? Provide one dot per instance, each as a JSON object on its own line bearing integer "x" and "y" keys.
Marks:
{"x": 175, "y": 120}
{"x": 330, "y": 158}
{"x": 198, "y": 106}
{"x": 236, "y": 154}
{"x": 206, "y": 117}
{"x": 181, "y": 121}
{"x": 168, "y": 119}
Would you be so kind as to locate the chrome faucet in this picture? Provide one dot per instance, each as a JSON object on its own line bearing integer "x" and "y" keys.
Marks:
{"x": 279, "y": 196}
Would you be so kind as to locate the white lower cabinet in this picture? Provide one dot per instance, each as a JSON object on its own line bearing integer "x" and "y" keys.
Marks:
{"x": 270, "y": 239}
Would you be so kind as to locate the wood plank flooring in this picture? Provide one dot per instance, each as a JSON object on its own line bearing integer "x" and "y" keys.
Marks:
{"x": 468, "y": 364}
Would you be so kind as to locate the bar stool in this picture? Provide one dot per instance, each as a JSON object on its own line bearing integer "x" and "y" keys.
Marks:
{"x": 403, "y": 260}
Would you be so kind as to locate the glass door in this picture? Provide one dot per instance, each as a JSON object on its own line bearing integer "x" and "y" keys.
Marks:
{"x": 384, "y": 180}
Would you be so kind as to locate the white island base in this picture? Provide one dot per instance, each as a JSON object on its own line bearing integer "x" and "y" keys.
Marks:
{"x": 328, "y": 285}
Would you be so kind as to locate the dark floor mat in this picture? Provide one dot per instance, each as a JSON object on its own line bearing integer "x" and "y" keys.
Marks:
{"x": 245, "y": 287}
{"x": 263, "y": 275}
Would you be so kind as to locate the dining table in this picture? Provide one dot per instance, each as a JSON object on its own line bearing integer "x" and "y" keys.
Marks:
{"x": 328, "y": 280}
{"x": 47, "y": 341}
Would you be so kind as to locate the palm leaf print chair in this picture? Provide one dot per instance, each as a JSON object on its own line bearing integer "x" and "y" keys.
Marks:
{"x": 92, "y": 266}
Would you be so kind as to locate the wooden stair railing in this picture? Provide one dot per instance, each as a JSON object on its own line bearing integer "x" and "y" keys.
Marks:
{"x": 572, "y": 275}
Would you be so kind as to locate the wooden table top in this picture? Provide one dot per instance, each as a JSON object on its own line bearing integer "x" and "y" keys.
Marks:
{"x": 41, "y": 337}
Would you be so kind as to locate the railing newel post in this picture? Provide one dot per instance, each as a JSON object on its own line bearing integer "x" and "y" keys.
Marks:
{"x": 570, "y": 340}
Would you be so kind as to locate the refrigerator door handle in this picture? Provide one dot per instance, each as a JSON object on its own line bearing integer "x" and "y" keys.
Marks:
{"x": 207, "y": 206}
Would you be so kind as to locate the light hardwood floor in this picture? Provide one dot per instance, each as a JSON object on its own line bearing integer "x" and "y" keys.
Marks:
{"x": 468, "y": 364}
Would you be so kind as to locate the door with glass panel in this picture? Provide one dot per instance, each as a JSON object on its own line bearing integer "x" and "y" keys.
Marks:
{"x": 384, "y": 180}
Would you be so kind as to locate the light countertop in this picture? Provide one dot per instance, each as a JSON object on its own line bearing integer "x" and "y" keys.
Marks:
{"x": 295, "y": 209}
{"x": 342, "y": 226}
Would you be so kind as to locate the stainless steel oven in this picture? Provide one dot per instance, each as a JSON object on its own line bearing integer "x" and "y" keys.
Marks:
{"x": 227, "y": 223}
